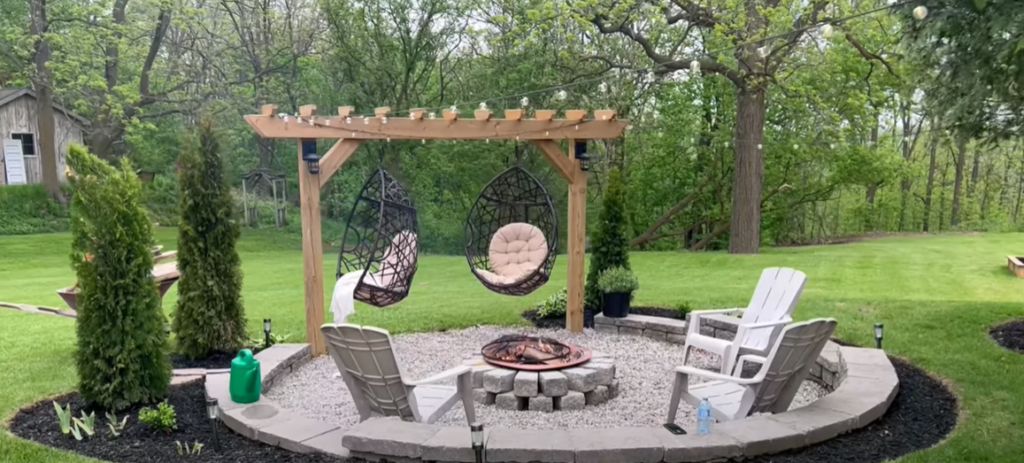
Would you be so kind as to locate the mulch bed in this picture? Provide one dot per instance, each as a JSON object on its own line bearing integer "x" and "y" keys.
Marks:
{"x": 559, "y": 322}
{"x": 140, "y": 444}
{"x": 923, "y": 414}
{"x": 1010, "y": 335}
{"x": 216, "y": 360}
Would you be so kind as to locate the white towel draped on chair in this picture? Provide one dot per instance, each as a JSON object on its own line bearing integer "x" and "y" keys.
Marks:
{"x": 343, "y": 300}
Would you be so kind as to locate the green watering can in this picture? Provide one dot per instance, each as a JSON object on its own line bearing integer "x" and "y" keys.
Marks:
{"x": 245, "y": 378}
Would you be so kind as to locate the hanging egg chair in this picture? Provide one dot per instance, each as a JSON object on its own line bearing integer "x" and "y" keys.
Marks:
{"x": 380, "y": 242}
{"x": 512, "y": 234}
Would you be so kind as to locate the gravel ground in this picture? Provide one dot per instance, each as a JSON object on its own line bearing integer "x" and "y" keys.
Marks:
{"x": 643, "y": 368}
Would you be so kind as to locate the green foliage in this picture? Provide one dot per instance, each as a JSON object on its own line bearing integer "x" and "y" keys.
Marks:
{"x": 609, "y": 246}
{"x": 617, "y": 280}
{"x": 63, "y": 417}
{"x": 121, "y": 357}
{"x": 161, "y": 199}
{"x": 27, "y": 209}
{"x": 554, "y": 305}
{"x": 86, "y": 424}
{"x": 209, "y": 315}
{"x": 162, "y": 419}
{"x": 185, "y": 449}
{"x": 683, "y": 308}
{"x": 116, "y": 427}
{"x": 260, "y": 341}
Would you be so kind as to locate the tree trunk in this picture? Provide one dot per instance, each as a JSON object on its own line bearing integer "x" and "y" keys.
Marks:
{"x": 958, "y": 180}
{"x": 869, "y": 196}
{"x": 47, "y": 133}
{"x": 930, "y": 185}
{"x": 745, "y": 225}
{"x": 974, "y": 174}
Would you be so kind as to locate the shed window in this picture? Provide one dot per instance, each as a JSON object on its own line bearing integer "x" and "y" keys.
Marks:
{"x": 28, "y": 143}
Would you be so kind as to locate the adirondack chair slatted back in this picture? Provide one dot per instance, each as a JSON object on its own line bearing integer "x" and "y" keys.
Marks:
{"x": 775, "y": 297}
{"x": 789, "y": 362}
{"x": 374, "y": 376}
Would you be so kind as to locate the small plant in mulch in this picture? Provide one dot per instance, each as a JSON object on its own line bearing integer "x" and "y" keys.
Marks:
{"x": 80, "y": 428}
{"x": 1009, "y": 335}
{"x": 162, "y": 419}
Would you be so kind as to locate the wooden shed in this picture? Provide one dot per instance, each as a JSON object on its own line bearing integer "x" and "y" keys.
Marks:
{"x": 18, "y": 122}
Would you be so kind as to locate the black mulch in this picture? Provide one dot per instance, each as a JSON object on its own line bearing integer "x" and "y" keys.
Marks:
{"x": 923, "y": 413}
{"x": 1010, "y": 335}
{"x": 216, "y": 359}
{"x": 140, "y": 444}
{"x": 559, "y": 322}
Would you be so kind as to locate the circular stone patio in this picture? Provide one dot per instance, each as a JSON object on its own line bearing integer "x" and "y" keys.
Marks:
{"x": 643, "y": 372}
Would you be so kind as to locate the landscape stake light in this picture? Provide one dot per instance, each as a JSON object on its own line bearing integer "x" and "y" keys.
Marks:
{"x": 266, "y": 333}
{"x": 309, "y": 155}
{"x": 878, "y": 334}
{"x": 581, "y": 154}
{"x": 211, "y": 412}
{"x": 477, "y": 431}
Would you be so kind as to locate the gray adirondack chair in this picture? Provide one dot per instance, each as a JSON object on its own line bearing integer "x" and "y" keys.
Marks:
{"x": 774, "y": 386}
{"x": 775, "y": 297}
{"x": 374, "y": 377}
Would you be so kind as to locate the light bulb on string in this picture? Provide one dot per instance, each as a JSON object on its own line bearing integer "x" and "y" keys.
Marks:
{"x": 763, "y": 51}
{"x": 827, "y": 30}
{"x": 759, "y": 146}
{"x": 348, "y": 120}
{"x": 454, "y": 109}
{"x": 695, "y": 66}
{"x": 432, "y": 116}
{"x": 561, "y": 95}
{"x": 412, "y": 116}
{"x": 921, "y": 12}
{"x": 366, "y": 120}
{"x": 483, "y": 105}
{"x": 524, "y": 102}
{"x": 796, "y": 146}
{"x": 603, "y": 87}
{"x": 384, "y": 120}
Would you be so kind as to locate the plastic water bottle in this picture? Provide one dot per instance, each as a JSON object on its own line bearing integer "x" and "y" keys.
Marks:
{"x": 704, "y": 417}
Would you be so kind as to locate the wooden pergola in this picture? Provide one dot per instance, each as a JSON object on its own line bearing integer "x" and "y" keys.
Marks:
{"x": 543, "y": 130}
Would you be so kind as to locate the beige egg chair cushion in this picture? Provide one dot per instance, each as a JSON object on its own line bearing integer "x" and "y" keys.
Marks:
{"x": 516, "y": 251}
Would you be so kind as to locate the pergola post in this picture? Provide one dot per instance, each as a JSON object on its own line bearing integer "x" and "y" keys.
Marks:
{"x": 576, "y": 238}
{"x": 312, "y": 256}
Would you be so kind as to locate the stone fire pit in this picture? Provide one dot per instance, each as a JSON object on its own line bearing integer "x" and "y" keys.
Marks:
{"x": 591, "y": 382}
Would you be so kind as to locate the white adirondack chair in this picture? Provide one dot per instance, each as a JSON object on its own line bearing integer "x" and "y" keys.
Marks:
{"x": 774, "y": 386}
{"x": 371, "y": 371}
{"x": 774, "y": 299}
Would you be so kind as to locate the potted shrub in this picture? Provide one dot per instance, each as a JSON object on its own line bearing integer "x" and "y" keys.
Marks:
{"x": 617, "y": 285}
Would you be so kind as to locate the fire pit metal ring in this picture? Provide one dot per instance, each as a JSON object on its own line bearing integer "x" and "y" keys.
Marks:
{"x": 532, "y": 353}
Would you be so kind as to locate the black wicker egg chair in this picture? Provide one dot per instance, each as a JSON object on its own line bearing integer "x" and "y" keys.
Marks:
{"x": 512, "y": 234}
{"x": 380, "y": 242}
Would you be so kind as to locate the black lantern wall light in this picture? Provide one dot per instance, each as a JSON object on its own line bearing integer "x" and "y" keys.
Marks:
{"x": 309, "y": 155}
{"x": 580, "y": 152}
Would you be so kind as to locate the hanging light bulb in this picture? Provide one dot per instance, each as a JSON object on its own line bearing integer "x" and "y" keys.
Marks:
{"x": 412, "y": 116}
{"x": 327, "y": 122}
{"x": 282, "y": 115}
{"x": 366, "y": 120}
{"x": 384, "y": 120}
{"x": 726, "y": 144}
{"x": 695, "y": 66}
{"x": 827, "y": 30}
{"x": 796, "y": 146}
{"x": 483, "y": 105}
{"x": 524, "y": 102}
{"x": 921, "y": 12}
{"x": 758, "y": 146}
{"x": 348, "y": 120}
{"x": 454, "y": 109}
{"x": 423, "y": 141}
{"x": 603, "y": 88}
{"x": 763, "y": 51}
{"x": 561, "y": 95}
{"x": 432, "y": 115}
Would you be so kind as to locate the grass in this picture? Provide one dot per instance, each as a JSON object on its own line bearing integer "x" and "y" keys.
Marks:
{"x": 937, "y": 295}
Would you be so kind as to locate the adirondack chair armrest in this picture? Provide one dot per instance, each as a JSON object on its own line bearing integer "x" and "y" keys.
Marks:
{"x": 738, "y": 369}
{"x": 716, "y": 376}
{"x": 696, "y": 315}
{"x": 755, "y": 326}
{"x": 447, "y": 374}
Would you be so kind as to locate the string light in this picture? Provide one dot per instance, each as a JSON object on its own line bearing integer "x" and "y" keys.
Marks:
{"x": 483, "y": 105}
{"x": 796, "y": 146}
{"x": 348, "y": 120}
{"x": 366, "y": 120}
{"x": 384, "y": 120}
{"x": 603, "y": 88}
{"x": 827, "y": 30}
{"x": 758, "y": 146}
{"x": 454, "y": 109}
{"x": 763, "y": 51}
{"x": 524, "y": 102}
{"x": 561, "y": 95}
{"x": 432, "y": 115}
{"x": 327, "y": 122}
{"x": 412, "y": 116}
{"x": 695, "y": 66}
{"x": 921, "y": 12}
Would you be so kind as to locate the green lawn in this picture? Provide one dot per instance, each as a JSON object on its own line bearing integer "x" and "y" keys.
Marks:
{"x": 937, "y": 296}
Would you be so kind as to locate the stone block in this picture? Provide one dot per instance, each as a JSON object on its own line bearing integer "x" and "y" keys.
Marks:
{"x": 290, "y": 434}
{"x": 605, "y": 372}
{"x": 617, "y": 445}
{"x": 483, "y": 397}
{"x": 676, "y": 338}
{"x": 541, "y": 404}
{"x": 450, "y": 444}
{"x": 725, "y": 334}
{"x": 708, "y": 331}
{"x": 608, "y": 329}
{"x": 599, "y": 355}
{"x": 328, "y": 443}
{"x": 831, "y": 357}
{"x": 499, "y": 380}
{"x": 815, "y": 371}
{"x": 720, "y": 321}
{"x": 478, "y": 374}
{"x": 249, "y": 419}
{"x": 613, "y": 389}
{"x": 508, "y": 401}
{"x": 864, "y": 356}
{"x": 864, "y": 398}
{"x": 572, "y": 400}
{"x": 600, "y": 319}
{"x": 217, "y": 388}
{"x": 598, "y": 396}
{"x": 176, "y": 380}
{"x": 581, "y": 379}
{"x": 817, "y": 423}
{"x": 525, "y": 384}
{"x": 691, "y": 447}
{"x": 637, "y": 321}
{"x": 628, "y": 331}
{"x": 389, "y": 437}
{"x": 828, "y": 378}
{"x": 673, "y": 326}
{"x": 760, "y": 435}
{"x": 529, "y": 446}
{"x": 553, "y": 383}
{"x": 654, "y": 334}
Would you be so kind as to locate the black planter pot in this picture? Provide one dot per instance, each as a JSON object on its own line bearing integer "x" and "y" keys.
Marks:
{"x": 588, "y": 318}
{"x": 616, "y": 305}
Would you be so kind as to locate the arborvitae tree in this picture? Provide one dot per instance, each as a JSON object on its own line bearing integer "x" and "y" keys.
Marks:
{"x": 121, "y": 357}
{"x": 209, "y": 315}
{"x": 609, "y": 246}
